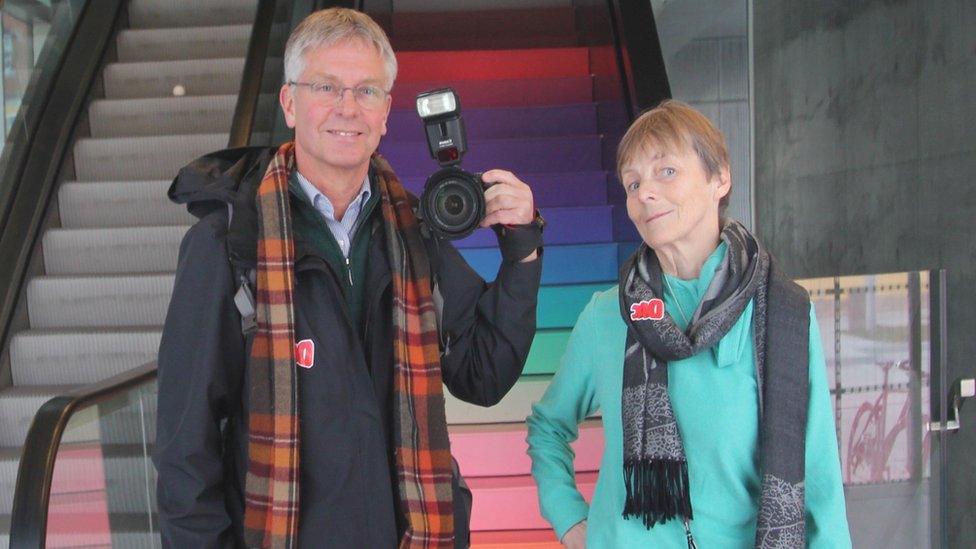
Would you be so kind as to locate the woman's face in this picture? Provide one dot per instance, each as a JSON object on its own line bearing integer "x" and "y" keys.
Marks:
{"x": 671, "y": 199}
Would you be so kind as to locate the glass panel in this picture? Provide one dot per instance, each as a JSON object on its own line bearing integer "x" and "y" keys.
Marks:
{"x": 29, "y": 46}
{"x": 705, "y": 45}
{"x": 876, "y": 338}
{"x": 32, "y": 39}
{"x": 103, "y": 493}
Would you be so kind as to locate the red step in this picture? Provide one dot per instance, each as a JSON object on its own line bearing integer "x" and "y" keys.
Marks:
{"x": 417, "y": 66}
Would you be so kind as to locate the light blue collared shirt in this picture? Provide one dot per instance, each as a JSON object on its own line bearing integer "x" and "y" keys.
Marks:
{"x": 344, "y": 230}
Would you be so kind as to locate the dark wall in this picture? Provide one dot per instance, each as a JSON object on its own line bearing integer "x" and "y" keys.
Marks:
{"x": 865, "y": 155}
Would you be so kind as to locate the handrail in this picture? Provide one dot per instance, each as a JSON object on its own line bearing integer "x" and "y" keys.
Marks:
{"x": 28, "y": 521}
{"x": 642, "y": 70}
{"x": 250, "y": 89}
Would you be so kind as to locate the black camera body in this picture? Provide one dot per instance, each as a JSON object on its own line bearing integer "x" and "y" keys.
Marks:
{"x": 453, "y": 202}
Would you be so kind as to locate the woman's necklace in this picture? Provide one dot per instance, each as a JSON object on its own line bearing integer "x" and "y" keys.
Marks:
{"x": 685, "y": 319}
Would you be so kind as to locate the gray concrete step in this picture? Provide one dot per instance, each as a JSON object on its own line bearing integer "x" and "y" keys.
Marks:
{"x": 113, "y": 250}
{"x": 180, "y": 13}
{"x": 89, "y": 204}
{"x": 169, "y": 44}
{"x": 161, "y": 115}
{"x": 98, "y": 301}
{"x": 80, "y": 356}
{"x": 141, "y": 158}
{"x": 158, "y": 78}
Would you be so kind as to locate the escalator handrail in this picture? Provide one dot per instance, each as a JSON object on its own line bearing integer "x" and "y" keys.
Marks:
{"x": 254, "y": 63}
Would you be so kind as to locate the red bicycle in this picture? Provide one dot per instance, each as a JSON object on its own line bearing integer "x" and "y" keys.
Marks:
{"x": 870, "y": 443}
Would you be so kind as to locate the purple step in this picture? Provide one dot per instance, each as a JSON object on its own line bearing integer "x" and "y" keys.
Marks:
{"x": 550, "y": 189}
{"x": 493, "y": 123}
{"x": 578, "y": 225}
{"x": 520, "y": 155}
{"x": 623, "y": 227}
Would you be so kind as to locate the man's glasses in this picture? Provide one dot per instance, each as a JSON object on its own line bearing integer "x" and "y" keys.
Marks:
{"x": 368, "y": 97}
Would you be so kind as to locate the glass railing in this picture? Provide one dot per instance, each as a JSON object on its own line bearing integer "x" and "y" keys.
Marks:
{"x": 33, "y": 35}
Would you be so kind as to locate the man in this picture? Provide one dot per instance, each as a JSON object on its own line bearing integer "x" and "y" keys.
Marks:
{"x": 312, "y": 323}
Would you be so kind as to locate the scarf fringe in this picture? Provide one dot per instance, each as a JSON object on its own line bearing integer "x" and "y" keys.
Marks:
{"x": 657, "y": 491}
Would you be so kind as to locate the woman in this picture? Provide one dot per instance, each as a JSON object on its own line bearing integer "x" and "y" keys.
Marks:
{"x": 706, "y": 364}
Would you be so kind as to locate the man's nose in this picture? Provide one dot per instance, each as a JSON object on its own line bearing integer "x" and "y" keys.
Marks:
{"x": 346, "y": 103}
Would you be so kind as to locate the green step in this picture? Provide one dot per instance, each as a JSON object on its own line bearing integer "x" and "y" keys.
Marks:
{"x": 559, "y": 306}
{"x": 546, "y": 352}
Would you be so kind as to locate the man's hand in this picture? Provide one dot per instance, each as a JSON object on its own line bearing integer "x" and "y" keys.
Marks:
{"x": 575, "y": 538}
{"x": 508, "y": 201}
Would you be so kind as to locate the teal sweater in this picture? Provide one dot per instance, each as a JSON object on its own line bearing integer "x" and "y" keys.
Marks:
{"x": 714, "y": 396}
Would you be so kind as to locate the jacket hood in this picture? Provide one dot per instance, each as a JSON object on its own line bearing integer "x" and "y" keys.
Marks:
{"x": 226, "y": 179}
{"x": 214, "y": 180}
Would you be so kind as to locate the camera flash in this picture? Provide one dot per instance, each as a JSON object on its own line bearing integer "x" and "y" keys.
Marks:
{"x": 436, "y": 104}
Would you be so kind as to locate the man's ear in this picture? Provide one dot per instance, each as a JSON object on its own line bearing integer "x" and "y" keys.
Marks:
{"x": 287, "y": 101}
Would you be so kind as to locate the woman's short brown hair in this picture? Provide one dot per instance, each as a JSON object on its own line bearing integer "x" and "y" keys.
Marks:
{"x": 671, "y": 126}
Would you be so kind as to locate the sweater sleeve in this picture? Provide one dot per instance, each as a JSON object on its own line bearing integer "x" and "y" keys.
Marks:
{"x": 826, "y": 513}
{"x": 554, "y": 424}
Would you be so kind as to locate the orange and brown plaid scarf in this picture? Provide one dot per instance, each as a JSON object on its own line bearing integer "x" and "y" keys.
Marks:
{"x": 423, "y": 453}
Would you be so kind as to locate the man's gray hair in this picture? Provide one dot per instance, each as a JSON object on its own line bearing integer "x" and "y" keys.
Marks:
{"x": 329, "y": 27}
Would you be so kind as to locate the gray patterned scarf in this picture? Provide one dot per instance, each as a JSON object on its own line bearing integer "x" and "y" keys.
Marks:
{"x": 655, "y": 467}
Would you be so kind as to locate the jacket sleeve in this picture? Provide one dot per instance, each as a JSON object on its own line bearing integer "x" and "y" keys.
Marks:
{"x": 200, "y": 359}
{"x": 554, "y": 425}
{"x": 486, "y": 329}
{"x": 826, "y": 513}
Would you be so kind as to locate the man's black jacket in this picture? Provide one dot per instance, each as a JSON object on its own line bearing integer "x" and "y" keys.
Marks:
{"x": 348, "y": 491}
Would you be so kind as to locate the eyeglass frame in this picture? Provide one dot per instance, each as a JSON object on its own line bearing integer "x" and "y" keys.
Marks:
{"x": 342, "y": 91}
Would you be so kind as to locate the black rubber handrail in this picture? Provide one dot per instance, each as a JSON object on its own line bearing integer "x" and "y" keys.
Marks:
{"x": 643, "y": 74}
{"x": 250, "y": 88}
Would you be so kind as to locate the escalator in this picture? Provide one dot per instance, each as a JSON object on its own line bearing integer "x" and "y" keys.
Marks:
{"x": 547, "y": 87}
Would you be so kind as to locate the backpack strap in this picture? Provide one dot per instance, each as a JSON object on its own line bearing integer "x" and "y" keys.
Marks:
{"x": 244, "y": 298}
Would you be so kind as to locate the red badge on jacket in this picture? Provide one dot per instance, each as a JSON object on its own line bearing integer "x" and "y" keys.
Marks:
{"x": 652, "y": 309}
{"x": 305, "y": 353}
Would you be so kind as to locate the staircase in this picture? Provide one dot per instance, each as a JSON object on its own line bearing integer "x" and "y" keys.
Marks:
{"x": 97, "y": 309}
{"x": 528, "y": 97}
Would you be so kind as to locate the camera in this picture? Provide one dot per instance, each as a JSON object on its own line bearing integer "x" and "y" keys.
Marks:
{"x": 452, "y": 204}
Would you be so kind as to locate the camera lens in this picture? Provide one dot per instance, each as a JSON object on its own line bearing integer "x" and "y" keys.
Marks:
{"x": 453, "y": 203}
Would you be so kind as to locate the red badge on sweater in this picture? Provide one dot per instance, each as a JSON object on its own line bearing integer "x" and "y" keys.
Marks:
{"x": 305, "y": 353}
{"x": 652, "y": 309}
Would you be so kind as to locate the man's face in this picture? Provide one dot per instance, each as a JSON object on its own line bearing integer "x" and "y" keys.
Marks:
{"x": 670, "y": 197}
{"x": 333, "y": 137}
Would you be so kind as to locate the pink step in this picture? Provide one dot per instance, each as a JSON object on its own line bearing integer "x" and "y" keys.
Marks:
{"x": 512, "y": 503}
{"x": 500, "y": 450}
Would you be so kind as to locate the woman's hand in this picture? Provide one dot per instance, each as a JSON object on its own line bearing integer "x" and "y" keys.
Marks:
{"x": 575, "y": 538}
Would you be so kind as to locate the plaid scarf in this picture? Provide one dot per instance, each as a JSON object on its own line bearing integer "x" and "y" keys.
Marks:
{"x": 655, "y": 466}
{"x": 423, "y": 455}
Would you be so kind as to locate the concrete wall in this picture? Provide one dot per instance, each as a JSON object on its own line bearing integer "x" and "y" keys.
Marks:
{"x": 865, "y": 137}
